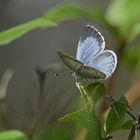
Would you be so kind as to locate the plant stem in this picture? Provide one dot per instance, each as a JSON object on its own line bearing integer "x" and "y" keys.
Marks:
{"x": 39, "y": 104}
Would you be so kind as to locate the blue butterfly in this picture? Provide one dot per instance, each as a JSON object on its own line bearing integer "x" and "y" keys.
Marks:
{"x": 92, "y": 61}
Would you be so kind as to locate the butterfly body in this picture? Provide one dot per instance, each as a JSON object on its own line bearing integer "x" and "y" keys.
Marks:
{"x": 91, "y": 61}
{"x": 79, "y": 68}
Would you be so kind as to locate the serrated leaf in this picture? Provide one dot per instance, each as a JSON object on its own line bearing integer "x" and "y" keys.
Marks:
{"x": 123, "y": 14}
{"x": 12, "y": 135}
{"x": 96, "y": 90}
{"x": 50, "y": 19}
{"x": 128, "y": 124}
{"x": 78, "y": 117}
{"x": 115, "y": 117}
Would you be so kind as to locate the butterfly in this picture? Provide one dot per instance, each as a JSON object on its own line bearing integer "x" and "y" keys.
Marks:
{"x": 91, "y": 61}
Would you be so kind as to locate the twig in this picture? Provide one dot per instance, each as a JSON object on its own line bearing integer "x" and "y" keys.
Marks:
{"x": 131, "y": 115}
{"x": 39, "y": 103}
{"x": 4, "y": 82}
{"x": 41, "y": 73}
{"x": 132, "y": 133}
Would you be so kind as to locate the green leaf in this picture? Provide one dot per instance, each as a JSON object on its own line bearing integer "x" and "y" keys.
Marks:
{"x": 12, "y": 135}
{"x": 96, "y": 90}
{"x": 51, "y": 19}
{"x": 68, "y": 12}
{"x": 128, "y": 124}
{"x": 115, "y": 118}
{"x": 91, "y": 93}
{"x": 78, "y": 117}
{"x": 94, "y": 128}
{"x": 18, "y": 31}
{"x": 123, "y": 14}
{"x": 85, "y": 119}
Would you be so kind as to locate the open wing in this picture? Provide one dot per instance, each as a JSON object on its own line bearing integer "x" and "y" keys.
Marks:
{"x": 105, "y": 62}
{"x": 90, "y": 44}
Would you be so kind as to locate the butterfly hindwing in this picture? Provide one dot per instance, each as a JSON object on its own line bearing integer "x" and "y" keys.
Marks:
{"x": 89, "y": 72}
{"x": 105, "y": 61}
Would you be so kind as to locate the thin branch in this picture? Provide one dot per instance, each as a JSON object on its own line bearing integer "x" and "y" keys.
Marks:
{"x": 41, "y": 73}
{"x": 39, "y": 103}
{"x": 132, "y": 133}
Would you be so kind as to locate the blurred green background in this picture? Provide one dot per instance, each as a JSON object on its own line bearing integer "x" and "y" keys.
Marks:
{"x": 116, "y": 20}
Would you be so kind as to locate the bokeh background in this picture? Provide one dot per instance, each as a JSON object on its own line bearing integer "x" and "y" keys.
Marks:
{"x": 37, "y": 49}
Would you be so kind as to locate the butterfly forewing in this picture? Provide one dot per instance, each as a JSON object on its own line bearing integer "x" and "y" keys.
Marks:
{"x": 90, "y": 44}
